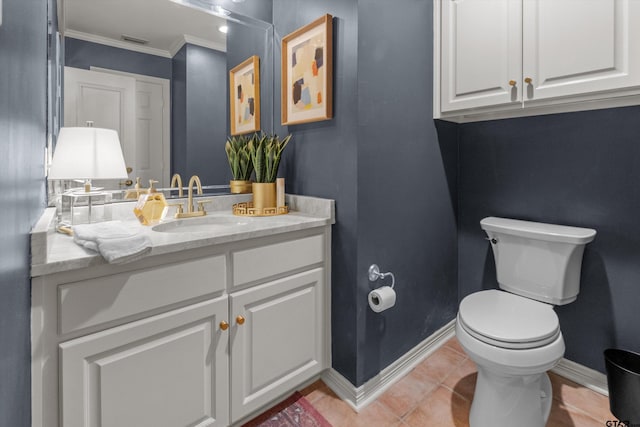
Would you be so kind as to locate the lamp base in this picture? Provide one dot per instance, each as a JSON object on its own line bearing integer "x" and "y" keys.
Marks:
{"x": 84, "y": 207}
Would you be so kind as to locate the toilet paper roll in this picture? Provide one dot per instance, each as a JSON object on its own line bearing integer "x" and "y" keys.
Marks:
{"x": 382, "y": 298}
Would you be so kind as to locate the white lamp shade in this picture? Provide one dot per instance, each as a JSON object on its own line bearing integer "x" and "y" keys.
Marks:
{"x": 87, "y": 153}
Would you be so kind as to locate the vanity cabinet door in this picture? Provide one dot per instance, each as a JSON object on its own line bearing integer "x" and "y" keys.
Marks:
{"x": 575, "y": 47}
{"x": 278, "y": 339}
{"x": 481, "y": 62}
{"x": 166, "y": 370}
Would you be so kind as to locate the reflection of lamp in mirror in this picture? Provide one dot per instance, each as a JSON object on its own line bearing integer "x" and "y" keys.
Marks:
{"x": 86, "y": 153}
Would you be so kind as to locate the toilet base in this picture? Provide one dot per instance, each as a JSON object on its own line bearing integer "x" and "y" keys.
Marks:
{"x": 501, "y": 400}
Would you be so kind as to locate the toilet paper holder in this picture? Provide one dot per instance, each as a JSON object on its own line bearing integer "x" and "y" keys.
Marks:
{"x": 375, "y": 274}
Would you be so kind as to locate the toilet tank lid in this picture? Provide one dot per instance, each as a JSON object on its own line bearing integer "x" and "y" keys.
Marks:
{"x": 538, "y": 230}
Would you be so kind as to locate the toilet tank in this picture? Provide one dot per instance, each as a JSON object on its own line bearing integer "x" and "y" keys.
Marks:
{"x": 537, "y": 260}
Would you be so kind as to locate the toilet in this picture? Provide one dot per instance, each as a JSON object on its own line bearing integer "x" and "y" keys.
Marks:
{"x": 513, "y": 334}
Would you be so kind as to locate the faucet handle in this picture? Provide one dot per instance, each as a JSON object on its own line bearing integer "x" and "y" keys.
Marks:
{"x": 201, "y": 204}
{"x": 179, "y": 208}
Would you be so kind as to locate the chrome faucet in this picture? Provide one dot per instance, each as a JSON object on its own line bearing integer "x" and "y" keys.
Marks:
{"x": 190, "y": 212}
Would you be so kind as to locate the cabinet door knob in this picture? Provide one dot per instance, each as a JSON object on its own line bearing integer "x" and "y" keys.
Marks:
{"x": 240, "y": 320}
{"x": 224, "y": 325}
{"x": 512, "y": 82}
{"x": 528, "y": 80}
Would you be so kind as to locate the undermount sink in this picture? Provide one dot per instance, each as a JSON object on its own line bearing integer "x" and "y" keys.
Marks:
{"x": 199, "y": 225}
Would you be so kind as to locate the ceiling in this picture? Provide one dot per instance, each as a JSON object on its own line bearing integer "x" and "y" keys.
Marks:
{"x": 164, "y": 24}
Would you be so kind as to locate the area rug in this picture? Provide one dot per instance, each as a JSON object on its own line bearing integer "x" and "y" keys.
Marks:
{"x": 296, "y": 411}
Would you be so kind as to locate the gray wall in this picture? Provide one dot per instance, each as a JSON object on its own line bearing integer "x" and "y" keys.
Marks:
{"x": 406, "y": 210}
{"x": 206, "y": 114}
{"x": 199, "y": 114}
{"x": 84, "y": 54}
{"x": 394, "y": 185}
{"x": 577, "y": 169}
{"x": 23, "y": 74}
{"x": 322, "y": 161}
{"x": 178, "y": 112}
{"x": 249, "y": 38}
{"x": 244, "y": 41}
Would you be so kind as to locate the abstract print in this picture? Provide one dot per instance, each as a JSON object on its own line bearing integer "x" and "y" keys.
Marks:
{"x": 308, "y": 74}
{"x": 244, "y": 94}
{"x": 245, "y": 99}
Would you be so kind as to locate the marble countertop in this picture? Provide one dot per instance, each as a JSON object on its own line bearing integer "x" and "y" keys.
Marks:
{"x": 53, "y": 252}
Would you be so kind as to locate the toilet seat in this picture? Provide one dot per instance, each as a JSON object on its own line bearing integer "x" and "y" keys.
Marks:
{"x": 508, "y": 321}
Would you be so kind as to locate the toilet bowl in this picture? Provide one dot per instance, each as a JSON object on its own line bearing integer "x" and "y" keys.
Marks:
{"x": 512, "y": 382}
{"x": 512, "y": 333}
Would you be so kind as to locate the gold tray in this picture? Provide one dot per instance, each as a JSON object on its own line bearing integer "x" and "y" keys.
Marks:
{"x": 247, "y": 209}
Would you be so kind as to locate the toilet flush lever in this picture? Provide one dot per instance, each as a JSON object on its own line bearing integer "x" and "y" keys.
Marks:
{"x": 375, "y": 274}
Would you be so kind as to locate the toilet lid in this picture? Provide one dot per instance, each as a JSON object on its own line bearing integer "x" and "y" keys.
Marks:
{"x": 507, "y": 320}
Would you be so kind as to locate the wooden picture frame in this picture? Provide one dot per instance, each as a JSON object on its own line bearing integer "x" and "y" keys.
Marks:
{"x": 244, "y": 96}
{"x": 307, "y": 73}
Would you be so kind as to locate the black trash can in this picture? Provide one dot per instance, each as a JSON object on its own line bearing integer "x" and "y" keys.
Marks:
{"x": 623, "y": 376}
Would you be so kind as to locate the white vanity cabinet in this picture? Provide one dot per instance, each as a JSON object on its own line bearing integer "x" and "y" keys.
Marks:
{"x": 501, "y": 55}
{"x": 280, "y": 338}
{"x": 279, "y": 341}
{"x": 166, "y": 370}
{"x": 202, "y": 337}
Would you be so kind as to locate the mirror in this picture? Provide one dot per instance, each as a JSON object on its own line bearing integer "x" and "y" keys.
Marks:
{"x": 157, "y": 72}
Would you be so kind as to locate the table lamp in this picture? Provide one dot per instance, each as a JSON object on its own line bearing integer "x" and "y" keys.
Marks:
{"x": 86, "y": 153}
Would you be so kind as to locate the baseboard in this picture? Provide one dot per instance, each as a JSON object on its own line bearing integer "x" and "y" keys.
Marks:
{"x": 359, "y": 397}
{"x": 582, "y": 375}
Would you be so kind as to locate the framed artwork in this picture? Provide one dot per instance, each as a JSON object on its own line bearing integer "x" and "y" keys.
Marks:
{"x": 244, "y": 94}
{"x": 307, "y": 73}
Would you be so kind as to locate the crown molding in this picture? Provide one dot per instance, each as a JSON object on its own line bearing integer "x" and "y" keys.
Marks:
{"x": 116, "y": 43}
{"x": 177, "y": 45}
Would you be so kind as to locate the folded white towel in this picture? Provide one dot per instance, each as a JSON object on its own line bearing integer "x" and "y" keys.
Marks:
{"x": 112, "y": 240}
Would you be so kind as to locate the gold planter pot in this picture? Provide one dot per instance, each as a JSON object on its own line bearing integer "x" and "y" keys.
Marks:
{"x": 264, "y": 195}
{"x": 240, "y": 187}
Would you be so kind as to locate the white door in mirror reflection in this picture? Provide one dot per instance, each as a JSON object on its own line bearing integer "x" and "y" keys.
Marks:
{"x": 153, "y": 126}
{"x": 111, "y": 101}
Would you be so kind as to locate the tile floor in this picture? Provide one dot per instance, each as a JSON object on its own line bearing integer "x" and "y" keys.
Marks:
{"x": 438, "y": 392}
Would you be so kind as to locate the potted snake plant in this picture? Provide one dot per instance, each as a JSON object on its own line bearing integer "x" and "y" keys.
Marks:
{"x": 237, "y": 149}
{"x": 266, "y": 152}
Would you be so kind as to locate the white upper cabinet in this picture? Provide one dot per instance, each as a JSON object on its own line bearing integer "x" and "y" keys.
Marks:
{"x": 572, "y": 47}
{"x": 481, "y": 53}
{"x": 503, "y": 58}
